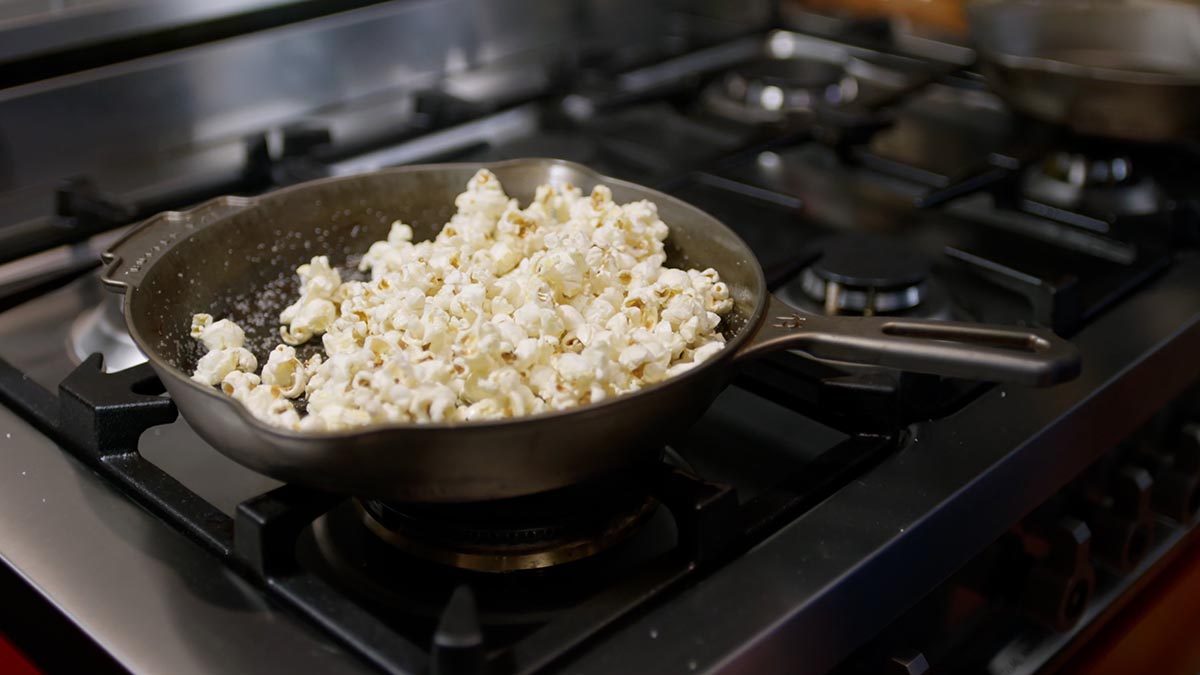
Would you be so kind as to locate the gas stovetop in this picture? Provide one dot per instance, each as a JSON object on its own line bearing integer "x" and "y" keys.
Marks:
{"x": 808, "y": 510}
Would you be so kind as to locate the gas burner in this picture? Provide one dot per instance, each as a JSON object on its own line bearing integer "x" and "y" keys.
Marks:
{"x": 101, "y": 330}
{"x": 354, "y": 559}
{"x": 1099, "y": 185}
{"x": 867, "y": 275}
{"x": 524, "y": 533}
{"x": 773, "y": 89}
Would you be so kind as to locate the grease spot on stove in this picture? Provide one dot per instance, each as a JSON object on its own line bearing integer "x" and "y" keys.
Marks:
{"x": 692, "y": 665}
{"x": 653, "y": 633}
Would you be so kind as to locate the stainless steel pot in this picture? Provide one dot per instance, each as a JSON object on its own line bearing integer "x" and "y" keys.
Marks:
{"x": 1127, "y": 69}
{"x": 235, "y": 257}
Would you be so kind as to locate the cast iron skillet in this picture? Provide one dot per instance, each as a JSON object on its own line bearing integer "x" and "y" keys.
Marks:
{"x": 1127, "y": 69}
{"x": 235, "y": 257}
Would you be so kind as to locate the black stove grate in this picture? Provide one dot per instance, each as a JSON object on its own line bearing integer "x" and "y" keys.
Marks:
{"x": 99, "y": 417}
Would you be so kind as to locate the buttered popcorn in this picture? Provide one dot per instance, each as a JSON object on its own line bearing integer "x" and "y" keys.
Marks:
{"x": 507, "y": 312}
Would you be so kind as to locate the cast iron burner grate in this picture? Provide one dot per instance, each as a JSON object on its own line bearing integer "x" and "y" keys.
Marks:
{"x": 99, "y": 417}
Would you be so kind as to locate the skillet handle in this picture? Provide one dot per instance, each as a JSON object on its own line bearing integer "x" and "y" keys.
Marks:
{"x": 127, "y": 259}
{"x": 1035, "y": 357}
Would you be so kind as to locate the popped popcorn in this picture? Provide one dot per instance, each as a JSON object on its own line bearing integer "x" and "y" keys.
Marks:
{"x": 506, "y": 312}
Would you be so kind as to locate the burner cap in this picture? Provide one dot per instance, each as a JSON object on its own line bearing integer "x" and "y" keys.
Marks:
{"x": 788, "y": 85}
{"x": 1096, "y": 183}
{"x": 1078, "y": 169}
{"x": 867, "y": 275}
{"x": 871, "y": 262}
{"x": 792, "y": 73}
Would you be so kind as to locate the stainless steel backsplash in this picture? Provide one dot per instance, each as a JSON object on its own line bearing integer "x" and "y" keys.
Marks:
{"x": 174, "y": 103}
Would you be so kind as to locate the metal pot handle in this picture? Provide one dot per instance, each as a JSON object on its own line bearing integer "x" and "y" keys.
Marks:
{"x": 127, "y": 259}
{"x": 1028, "y": 356}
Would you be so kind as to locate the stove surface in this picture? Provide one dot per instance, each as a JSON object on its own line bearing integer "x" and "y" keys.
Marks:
{"x": 813, "y": 498}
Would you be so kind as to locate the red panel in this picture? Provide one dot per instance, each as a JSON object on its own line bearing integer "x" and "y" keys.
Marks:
{"x": 1156, "y": 633}
{"x": 13, "y": 662}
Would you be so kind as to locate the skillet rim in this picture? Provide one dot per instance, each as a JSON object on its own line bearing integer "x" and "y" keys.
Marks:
{"x": 163, "y": 367}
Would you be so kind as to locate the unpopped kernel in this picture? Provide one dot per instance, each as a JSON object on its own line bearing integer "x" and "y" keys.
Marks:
{"x": 507, "y": 312}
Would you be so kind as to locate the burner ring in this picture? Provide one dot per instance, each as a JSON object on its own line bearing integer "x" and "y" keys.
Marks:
{"x": 866, "y": 274}
{"x": 504, "y": 548}
{"x": 839, "y": 298}
{"x": 1099, "y": 184}
{"x": 102, "y": 330}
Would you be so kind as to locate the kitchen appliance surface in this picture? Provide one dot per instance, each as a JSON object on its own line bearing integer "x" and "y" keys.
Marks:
{"x": 820, "y": 515}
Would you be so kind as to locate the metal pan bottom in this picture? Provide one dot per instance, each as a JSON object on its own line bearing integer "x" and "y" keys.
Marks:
{"x": 535, "y": 532}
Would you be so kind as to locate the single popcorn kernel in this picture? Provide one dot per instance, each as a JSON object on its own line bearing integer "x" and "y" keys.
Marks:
{"x": 507, "y": 312}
